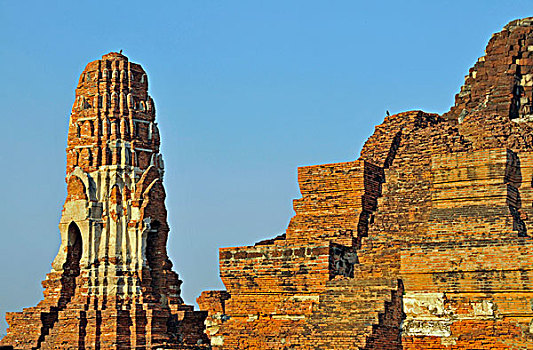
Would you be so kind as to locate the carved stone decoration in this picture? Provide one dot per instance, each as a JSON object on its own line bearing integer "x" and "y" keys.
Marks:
{"x": 111, "y": 284}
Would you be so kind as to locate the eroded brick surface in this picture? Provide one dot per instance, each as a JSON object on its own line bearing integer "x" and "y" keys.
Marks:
{"x": 424, "y": 242}
{"x": 112, "y": 284}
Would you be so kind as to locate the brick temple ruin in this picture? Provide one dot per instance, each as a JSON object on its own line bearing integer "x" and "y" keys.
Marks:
{"x": 112, "y": 284}
{"x": 424, "y": 242}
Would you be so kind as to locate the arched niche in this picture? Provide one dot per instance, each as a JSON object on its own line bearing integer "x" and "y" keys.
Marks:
{"x": 71, "y": 267}
{"x": 143, "y": 158}
{"x": 76, "y": 189}
{"x": 85, "y": 158}
{"x": 88, "y": 182}
{"x": 115, "y": 196}
{"x": 153, "y": 254}
{"x": 152, "y": 241}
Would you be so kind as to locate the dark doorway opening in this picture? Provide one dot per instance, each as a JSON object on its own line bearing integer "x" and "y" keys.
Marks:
{"x": 71, "y": 267}
{"x": 75, "y": 248}
{"x": 71, "y": 270}
{"x": 152, "y": 256}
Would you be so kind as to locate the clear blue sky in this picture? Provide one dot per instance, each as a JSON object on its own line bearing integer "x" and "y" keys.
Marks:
{"x": 246, "y": 91}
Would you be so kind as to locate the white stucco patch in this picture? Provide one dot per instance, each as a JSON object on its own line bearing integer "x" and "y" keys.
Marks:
{"x": 425, "y": 315}
{"x": 424, "y": 305}
{"x": 484, "y": 308}
{"x": 436, "y": 328}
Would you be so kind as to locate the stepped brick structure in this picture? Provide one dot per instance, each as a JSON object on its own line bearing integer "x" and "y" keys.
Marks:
{"x": 424, "y": 242}
{"x": 111, "y": 286}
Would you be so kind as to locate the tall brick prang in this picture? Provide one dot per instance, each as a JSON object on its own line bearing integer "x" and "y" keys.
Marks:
{"x": 111, "y": 284}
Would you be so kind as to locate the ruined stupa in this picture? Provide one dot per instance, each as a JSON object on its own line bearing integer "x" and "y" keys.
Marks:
{"x": 422, "y": 243}
{"x": 111, "y": 284}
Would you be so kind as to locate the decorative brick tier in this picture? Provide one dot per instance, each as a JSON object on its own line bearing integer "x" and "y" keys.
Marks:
{"x": 112, "y": 284}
